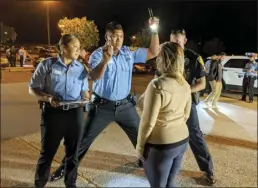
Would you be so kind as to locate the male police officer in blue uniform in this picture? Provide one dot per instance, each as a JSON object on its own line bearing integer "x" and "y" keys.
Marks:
{"x": 55, "y": 80}
{"x": 251, "y": 69}
{"x": 112, "y": 67}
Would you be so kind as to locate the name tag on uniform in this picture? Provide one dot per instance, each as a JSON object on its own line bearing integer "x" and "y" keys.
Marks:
{"x": 54, "y": 71}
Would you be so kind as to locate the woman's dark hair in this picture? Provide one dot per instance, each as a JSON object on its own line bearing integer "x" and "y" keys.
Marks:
{"x": 65, "y": 40}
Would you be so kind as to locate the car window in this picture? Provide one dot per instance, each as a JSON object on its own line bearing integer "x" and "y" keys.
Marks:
{"x": 236, "y": 63}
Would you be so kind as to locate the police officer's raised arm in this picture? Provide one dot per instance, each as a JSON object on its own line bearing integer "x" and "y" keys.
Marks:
{"x": 153, "y": 50}
{"x": 141, "y": 55}
{"x": 37, "y": 82}
{"x": 199, "y": 73}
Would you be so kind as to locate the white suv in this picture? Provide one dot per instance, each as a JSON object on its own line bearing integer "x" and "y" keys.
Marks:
{"x": 233, "y": 73}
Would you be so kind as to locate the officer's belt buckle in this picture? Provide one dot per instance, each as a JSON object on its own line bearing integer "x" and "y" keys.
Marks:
{"x": 66, "y": 107}
{"x": 118, "y": 103}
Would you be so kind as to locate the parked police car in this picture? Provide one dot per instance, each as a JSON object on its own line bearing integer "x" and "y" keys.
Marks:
{"x": 233, "y": 72}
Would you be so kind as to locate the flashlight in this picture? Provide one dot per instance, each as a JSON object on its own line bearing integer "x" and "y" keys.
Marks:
{"x": 154, "y": 26}
{"x": 150, "y": 12}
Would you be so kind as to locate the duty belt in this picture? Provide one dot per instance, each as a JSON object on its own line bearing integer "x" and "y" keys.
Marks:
{"x": 103, "y": 101}
{"x": 63, "y": 107}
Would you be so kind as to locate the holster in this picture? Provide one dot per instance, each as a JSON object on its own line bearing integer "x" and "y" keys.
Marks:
{"x": 132, "y": 99}
{"x": 40, "y": 105}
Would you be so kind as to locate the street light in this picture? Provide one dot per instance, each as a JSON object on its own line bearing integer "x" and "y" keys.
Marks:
{"x": 48, "y": 24}
{"x": 5, "y": 33}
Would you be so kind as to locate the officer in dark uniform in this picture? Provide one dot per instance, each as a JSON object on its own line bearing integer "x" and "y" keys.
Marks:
{"x": 195, "y": 76}
{"x": 111, "y": 73}
{"x": 54, "y": 81}
{"x": 250, "y": 76}
{"x": 13, "y": 53}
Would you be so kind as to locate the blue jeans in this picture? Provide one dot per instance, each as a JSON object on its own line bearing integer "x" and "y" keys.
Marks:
{"x": 162, "y": 165}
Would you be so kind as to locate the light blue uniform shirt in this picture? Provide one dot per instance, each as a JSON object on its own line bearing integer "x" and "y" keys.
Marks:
{"x": 116, "y": 81}
{"x": 251, "y": 66}
{"x": 53, "y": 77}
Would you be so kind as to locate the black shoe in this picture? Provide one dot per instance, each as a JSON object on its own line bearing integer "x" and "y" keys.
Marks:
{"x": 71, "y": 186}
{"x": 242, "y": 99}
{"x": 58, "y": 174}
{"x": 210, "y": 179}
{"x": 251, "y": 101}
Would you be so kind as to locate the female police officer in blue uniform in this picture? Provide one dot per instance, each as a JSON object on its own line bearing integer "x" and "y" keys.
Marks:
{"x": 55, "y": 80}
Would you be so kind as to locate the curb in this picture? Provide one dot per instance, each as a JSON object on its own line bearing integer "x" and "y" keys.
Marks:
{"x": 89, "y": 181}
{"x": 232, "y": 141}
{"x": 22, "y": 70}
{"x": 19, "y": 69}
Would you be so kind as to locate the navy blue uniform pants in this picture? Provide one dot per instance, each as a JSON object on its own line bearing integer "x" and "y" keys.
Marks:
{"x": 100, "y": 116}
{"x": 248, "y": 82}
{"x": 197, "y": 143}
{"x": 57, "y": 124}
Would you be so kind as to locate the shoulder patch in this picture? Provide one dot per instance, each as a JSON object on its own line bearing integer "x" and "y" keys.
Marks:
{"x": 200, "y": 60}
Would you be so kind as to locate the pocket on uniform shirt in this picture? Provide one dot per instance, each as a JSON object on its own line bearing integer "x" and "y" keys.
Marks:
{"x": 125, "y": 67}
{"x": 109, "y": 71}
{"x": 79, "y": 82}
{"x": 55, "y": 77}
{"x": 76, "y": 82}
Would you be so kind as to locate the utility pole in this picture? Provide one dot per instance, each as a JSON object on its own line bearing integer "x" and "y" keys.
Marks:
{"x": 1, "y": 32}
{"x": 48, "y": 24}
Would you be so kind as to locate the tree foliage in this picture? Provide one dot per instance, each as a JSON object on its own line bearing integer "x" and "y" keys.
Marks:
{"x": 8, "y": 33}
{"x": 141, "y": 39}
{"x": 213, "y": 46}
{"x": 85, "y": 30}
{"x": 191, "y": 44}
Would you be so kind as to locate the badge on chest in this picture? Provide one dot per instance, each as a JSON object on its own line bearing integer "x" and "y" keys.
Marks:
{"x": 187, "y": 61}
{"x": 55, "y": 71}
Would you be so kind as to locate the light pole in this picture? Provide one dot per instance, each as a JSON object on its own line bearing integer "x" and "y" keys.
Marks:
{"x": 1, "y": 32}
{"x": 48, "y": 24}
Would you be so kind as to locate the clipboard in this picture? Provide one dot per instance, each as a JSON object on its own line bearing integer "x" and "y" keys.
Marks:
{"x": 73, "y": 102}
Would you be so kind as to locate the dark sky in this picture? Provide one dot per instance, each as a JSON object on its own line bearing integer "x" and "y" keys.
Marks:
{"x": 234, "y": 22}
